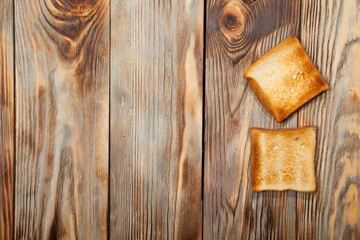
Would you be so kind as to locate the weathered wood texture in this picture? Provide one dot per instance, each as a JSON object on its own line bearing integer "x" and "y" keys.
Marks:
{"x": 330, "y": 32}
{"x": 62, "y": 119}
{"x": 6, "y": 119}
{"x": 238, "y": 33}
{"x": 156, "y": 119}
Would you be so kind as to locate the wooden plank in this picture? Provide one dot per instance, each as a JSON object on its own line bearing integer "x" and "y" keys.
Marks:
{"x": 238, "y": 33}
{"x": 156, "y": 119}
{"x": 330, "y": 32}
{"x": 6, "y": 119}
{"x": 62, "y": 118}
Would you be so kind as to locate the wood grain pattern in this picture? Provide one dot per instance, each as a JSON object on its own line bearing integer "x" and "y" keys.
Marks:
{"x": 238, "y": 33}
{"x": 156, "y": 119}
{"x": 62, "y": 114}
{"x": 155, "y": 52}
{"x": 330, "y": 32}
{"x": 6, "y": 119}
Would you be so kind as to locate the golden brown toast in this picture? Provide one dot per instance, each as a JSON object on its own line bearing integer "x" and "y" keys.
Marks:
{"x": 283, "y": 159}
{"x": 285, "y": 78}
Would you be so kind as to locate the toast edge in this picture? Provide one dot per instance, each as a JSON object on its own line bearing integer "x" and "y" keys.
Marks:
{"x": 289, "y": 40}
{"x": 253, "y": 157}
{"x": 261, "y": 96}
{"x": 281, "y": 116}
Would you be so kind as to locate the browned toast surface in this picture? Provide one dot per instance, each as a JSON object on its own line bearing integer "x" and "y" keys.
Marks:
{"x": 283, "y": 159}
{"x": 285, "y": 78}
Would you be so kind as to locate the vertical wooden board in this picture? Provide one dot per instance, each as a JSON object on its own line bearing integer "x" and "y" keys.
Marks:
{"x": 238, "y": 33}
{"x": 330, "y": 32}
{"x": 6, "y": 119}
{"x": 156, "y": 119}
{"x": 62, "y": 119}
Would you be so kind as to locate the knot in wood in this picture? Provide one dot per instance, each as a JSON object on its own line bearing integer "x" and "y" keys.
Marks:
{"x": 71, "y": 21}
{"x": 80, "y": 5}
{"x": 249, "y": 2}
{"x": 232, "y": 20}
{"x": 230, "y": 25}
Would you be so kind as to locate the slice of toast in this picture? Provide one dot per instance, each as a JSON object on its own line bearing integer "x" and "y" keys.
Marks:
{"x": 284, "y": 79}
{"x": 283, "y": 159}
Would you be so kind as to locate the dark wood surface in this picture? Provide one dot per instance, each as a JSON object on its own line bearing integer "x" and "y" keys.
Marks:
{"x": 330, "y": 32}
{"x": 121, "y": 129}
{"x": 156, "y": 119}
{"x": 238, "y": 33}
{"x": 6, "y": 119}
{"x": 62, "y": 115}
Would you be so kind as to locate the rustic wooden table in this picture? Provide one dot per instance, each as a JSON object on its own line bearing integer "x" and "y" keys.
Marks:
{"x": 129, "y": 119}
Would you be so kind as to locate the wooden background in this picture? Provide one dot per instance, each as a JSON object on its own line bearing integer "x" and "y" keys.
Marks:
{"x": 129, "y": 119}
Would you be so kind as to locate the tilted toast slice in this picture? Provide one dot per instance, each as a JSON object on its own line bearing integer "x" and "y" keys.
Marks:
{"x": 284, "y": 79}
{"x": 283, "y": 159}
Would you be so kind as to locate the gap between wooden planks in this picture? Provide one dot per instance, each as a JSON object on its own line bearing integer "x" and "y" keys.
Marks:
{"x": 6, "y": 120}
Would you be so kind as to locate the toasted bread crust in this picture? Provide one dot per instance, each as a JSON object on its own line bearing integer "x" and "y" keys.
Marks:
{"x": 261, "y": 95}
{"x": 285, "y": 78}
{"x": 288, "y": 165}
